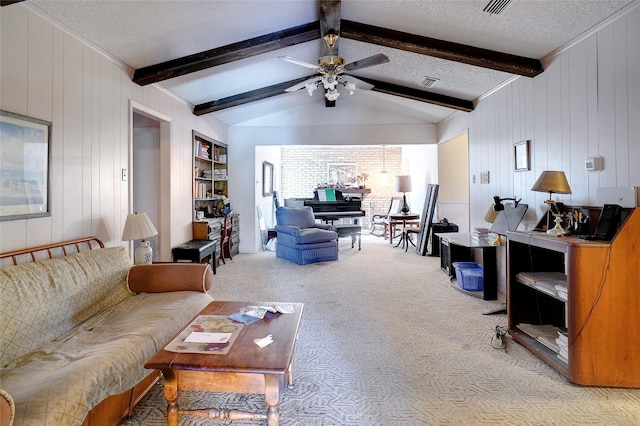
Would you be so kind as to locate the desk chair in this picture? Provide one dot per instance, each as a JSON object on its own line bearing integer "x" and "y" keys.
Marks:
{"x": 225, "y": 237}
{"x": 408, "y": 231}
{"x": 380, "y": 220}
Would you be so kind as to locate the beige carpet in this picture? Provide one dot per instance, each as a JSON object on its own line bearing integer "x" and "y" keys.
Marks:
{"x": 386, "y": 340}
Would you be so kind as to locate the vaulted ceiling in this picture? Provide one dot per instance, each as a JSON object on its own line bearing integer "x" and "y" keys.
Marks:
{"x": 222, "y": 56}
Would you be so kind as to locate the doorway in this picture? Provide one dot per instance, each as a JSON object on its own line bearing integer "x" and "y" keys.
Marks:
{"x": 149, "y": 137}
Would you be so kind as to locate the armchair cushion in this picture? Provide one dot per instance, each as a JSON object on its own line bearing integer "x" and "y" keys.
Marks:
{"x": 301, "y": 217}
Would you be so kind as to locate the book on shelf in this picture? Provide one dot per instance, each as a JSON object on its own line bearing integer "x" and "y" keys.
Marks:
{"x": 201, "y": 150}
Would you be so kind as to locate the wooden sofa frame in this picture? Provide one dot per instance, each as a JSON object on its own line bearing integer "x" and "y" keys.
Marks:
{"x": 113, "y": 409}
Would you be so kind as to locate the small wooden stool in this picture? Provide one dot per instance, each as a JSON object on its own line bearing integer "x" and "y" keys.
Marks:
{"x": 203, "y": 251}
{"x": 350, "y": 230}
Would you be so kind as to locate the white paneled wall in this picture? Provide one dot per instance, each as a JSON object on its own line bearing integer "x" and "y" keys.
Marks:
{"x": 586, "y": 103}
{"x": 51, "y": 75}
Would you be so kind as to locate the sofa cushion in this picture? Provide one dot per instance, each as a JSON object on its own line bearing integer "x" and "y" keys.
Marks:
{"x": 302, "y": 217}
{"x": 307, "y": 236}
{"x": 63, "y": 380}
{"x": 45, "y": 299}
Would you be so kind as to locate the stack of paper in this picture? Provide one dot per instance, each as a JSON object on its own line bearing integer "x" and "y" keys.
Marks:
{"x": 547, "y": 282}
{"x": 563, "y": 347}
{"x": 480, "y": 234}
{"x": 562, "y": 291}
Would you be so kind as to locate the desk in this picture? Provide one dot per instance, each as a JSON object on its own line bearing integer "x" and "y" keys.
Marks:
{"x": 401, "y": 219}
{"x": 459, "y": 247}
{"x": 196, "y": 251}
{"x": 246, "y": 368}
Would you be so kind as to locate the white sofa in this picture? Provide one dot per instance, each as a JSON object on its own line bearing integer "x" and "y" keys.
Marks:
{"x": 75, "y": 332}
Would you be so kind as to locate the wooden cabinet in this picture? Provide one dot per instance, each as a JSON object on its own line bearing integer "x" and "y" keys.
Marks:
{"x": 210, "y": 189}
{"x": 598, "y": 313}
{"x": 210, "y": 229}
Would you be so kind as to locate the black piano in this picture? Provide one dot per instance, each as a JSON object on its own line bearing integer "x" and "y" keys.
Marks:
{"x": 329, "y": 211}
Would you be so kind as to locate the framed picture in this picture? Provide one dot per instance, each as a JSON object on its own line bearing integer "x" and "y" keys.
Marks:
{"x": 342, "y": 175}
{"x": 24, "y": 162}
{"x": 521, "y": 154}
{"x": 267, "y": 179}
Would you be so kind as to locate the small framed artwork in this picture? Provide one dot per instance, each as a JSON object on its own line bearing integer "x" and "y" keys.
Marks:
{"x": 342, "y": 175}
{"x": 521, "y": 154}
{"x": 267, "y": 179}
{"x": 25, "y": 146}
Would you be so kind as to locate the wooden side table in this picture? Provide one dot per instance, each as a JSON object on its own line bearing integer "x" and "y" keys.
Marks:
{"x": 202, "y": 251}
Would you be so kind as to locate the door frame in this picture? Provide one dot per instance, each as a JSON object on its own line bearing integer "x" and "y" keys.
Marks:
{"x": 164, "y": 196}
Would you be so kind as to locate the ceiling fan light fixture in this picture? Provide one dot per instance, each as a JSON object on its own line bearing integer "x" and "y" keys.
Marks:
{"x": 311, "y": 87}
{"x": 329, "y": 81}
{"x": 332, "y": 94}
{"x": 350, "y": 86}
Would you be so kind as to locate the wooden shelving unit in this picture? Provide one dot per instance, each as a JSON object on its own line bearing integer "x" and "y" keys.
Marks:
{"x": 210, "y": 187}
{"x": 210, "y": 176}
{"x": 599, "y": 313}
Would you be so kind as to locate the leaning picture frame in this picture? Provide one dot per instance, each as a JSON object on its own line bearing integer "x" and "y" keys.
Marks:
{"x": 267, "y": 179}
{"x": 25, "y": 144}
{"x": 521, "y": 156}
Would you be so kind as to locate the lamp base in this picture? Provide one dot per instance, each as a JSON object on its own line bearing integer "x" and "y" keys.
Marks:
{"x": 143, "y": 253}
{"x": 405, "y": 207}
{"x": 557, "y": 230}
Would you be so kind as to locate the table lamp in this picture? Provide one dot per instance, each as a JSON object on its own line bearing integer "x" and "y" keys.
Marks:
{"x": 403, "y": 184}
{"x": 494, "y": 210}
{"x": 139, "y": 227}
{"x": 553, "y": 181}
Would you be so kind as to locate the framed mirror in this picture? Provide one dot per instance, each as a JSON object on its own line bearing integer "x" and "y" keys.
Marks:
{"x": 267, "y": 179}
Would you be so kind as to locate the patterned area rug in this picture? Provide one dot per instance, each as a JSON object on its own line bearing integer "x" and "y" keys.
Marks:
{"x": 386, "y": 340}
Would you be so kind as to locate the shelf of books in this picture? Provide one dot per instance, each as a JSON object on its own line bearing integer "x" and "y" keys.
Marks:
{"x": 210, "y": 181}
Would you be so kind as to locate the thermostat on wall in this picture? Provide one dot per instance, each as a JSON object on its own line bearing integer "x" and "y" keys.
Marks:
{"x": 593, "y": 163}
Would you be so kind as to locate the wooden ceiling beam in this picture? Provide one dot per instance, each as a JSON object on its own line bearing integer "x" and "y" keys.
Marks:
{"x": 470, "y": 55}
{"x": 419, "y": 95}
{"x": 247, "y": 97}
{"x": 229, "y": 53}
{"x": 379, "y": 86}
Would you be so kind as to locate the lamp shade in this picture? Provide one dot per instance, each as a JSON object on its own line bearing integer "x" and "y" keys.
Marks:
{"x": 403, "y": 183}
{"x": 138, "y": 227}
{"x": 552, "y": 181}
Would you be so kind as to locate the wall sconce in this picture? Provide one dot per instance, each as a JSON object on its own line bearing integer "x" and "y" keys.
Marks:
{"x": 553, "y": 181}
{"x": 139, "y": 227}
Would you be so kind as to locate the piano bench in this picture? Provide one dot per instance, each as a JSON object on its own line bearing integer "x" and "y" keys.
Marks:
{"x": 350, "y": 230}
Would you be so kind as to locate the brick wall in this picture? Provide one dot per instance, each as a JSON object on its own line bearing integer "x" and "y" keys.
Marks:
{"x": 305, "y": 167}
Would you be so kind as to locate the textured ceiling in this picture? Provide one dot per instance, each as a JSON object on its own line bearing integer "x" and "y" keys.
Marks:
{"x": 143, "y": 33}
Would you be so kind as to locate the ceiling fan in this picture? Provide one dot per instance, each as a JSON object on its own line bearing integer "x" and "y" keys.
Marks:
{"x": 332, "y": 69}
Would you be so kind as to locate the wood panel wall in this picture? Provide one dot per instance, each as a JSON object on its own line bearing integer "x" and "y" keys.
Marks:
{"x": 52, "y": 75}
{"x": 586, "y": 103}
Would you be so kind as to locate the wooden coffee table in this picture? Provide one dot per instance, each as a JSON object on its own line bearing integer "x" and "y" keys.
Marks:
{"x": 246, "y": 368}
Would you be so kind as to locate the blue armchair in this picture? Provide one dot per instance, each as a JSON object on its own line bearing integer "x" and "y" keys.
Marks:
{"x": 301, "y": 239}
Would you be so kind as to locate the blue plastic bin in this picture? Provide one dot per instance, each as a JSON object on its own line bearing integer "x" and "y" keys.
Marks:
{"x": 469, "y": 275}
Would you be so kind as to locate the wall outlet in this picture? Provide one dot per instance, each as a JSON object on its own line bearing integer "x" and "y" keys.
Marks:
{"x": 484, "y": 177}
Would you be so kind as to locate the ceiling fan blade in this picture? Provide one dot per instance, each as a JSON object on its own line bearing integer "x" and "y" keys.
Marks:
{"x": 362, "y": 85}
{"x": 299, "y": 62}
{"x": 303, "y": 84}
{"x": 367, "y": 62}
